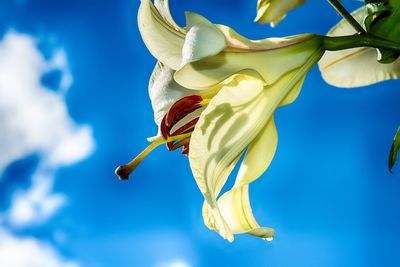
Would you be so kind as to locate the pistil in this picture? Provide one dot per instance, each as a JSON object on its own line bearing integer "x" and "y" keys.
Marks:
{"x": 124, "y": 171}
{"x": 174, "y": 140}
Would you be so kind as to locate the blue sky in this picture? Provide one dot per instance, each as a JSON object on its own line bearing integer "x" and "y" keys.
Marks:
{"x": 74, "y": 105}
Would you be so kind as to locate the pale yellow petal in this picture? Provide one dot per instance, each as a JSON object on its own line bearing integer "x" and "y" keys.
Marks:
{"x": 344, "y": 28}
{"x": 203, "y": 39}
{"x": 237, "y": 42}
{"x": 294, "y": 93}
{"x": 235, "y": 204}
{"x": 355, "y": 67}
{"x": 258, "y": 155}
{"x": 212, "y": 70}
{"x": 163, "y": 40}
{"x": 232, "y": 120}
{"x": 163, "y": 8}
{"x": 236, "y": 210}
{"x": 221, "y": 134}
{"x": 209, "y": 219}
{"x": 220, "y": 128}
{"x": 164, "y": 91}
{"x": 273, "y": 11}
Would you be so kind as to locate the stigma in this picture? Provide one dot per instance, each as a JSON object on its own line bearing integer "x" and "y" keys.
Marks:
{"x": 176, "y": 129}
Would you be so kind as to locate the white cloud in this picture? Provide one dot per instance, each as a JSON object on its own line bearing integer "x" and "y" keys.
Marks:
{"x": 59, "y": 61}
{"x": 35, "y": 205}
{"x": 72, "y": 147}
{"x": 34, "y": 119}
{"x": 174, "y": 263}
{"x": 29, "y": 252}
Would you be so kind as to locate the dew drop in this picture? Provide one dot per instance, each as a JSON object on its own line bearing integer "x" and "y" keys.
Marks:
{"x": 269, "y": 239}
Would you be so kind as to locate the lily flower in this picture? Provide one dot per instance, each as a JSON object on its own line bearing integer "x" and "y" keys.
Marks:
{"x": 273, "y": 11}
{"x": 355, "y": 67}
{"x": 214, "y": 93}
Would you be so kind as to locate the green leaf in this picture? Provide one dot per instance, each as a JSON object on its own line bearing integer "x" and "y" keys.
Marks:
{"x": 375, "y": 14}
{"x": 382, "y": 20}
{"x": 394, "y": 151}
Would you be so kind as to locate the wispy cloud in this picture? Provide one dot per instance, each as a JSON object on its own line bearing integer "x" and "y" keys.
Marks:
{"x": 29, "y": 252}
{"x": 35, "y": 120}
{"x": 36, "y": 204}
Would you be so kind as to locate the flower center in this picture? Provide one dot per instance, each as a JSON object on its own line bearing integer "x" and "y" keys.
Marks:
{"x": 176, "y": 129}
{"x": 178, "y": 121}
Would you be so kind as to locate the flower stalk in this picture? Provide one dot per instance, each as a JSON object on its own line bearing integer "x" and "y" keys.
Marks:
{"x": 346, "y": 15}
{"x": 335, "y": 43}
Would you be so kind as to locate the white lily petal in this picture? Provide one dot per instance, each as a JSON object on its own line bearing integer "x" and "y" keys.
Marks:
{"x": 163, "y": 39}
{"x": 237, "y": 42}
{"x": 203, "y": 39}
{"x": 232, "y": 120}
{"x": 357, "y": 66}
{"x": 294, "y": 93}
{"x": 164, "y": 91}
{"x": 210, "y": 71}
{"x": 208, "y": 218}
{"x": 235, "y": 204}
{"x": 219, "y": 138}
{"x": 163, "y": 8}
{"x": 221, "y": 126}
{"x": 273, "y": 11}
{"x": 258, "y": 155}
{"x": 236, "y": 210}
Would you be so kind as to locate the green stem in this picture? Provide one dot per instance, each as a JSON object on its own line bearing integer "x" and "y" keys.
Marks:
{"x": 346, "y": 15}
{"x": 358, "y": 40}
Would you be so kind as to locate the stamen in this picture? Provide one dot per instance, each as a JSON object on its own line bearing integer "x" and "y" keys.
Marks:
{"x": 188, "y": 127}
{"x": 175, "y": 145}
{"x": 124, "y": 171}
{"x": 205, "y": 101}
{"x": 179, "y": 112}
{"x": 164, "y": 129}
{"x": 185, "y": 149}
{"x": 181, "y": 108}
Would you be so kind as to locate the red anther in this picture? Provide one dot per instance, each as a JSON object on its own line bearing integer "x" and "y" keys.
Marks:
{"x": 178, "y": 111}
{"x": 182, "y": 108}
{"x": 177, "y": 144}
{"x": 164, "y": 129}
{"x": 187, "y": 128}
{"x": 185, "y": 150}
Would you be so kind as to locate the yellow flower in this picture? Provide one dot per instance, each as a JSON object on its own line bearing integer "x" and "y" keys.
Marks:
{"x": 273, "y": 11}
{"x": 214, "y": 93}
{"x": 357, "y": 66}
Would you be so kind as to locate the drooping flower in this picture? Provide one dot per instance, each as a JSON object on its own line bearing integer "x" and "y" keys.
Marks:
{"x": 214, "y": 93}
{"x": 273, "y": 11}
{"x": 357, "y": 66}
